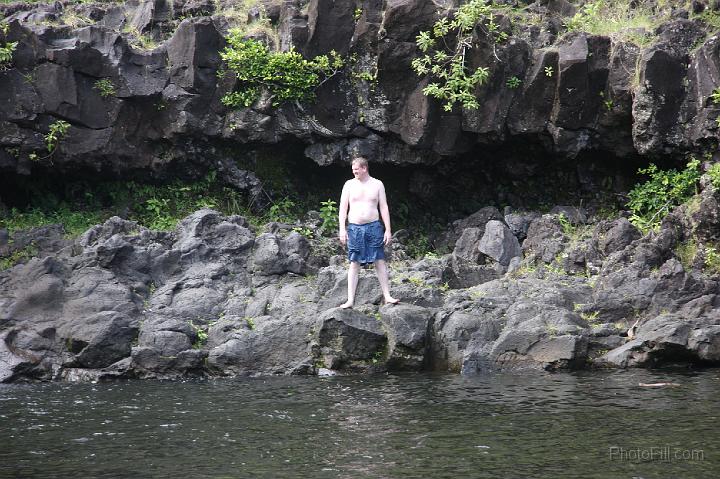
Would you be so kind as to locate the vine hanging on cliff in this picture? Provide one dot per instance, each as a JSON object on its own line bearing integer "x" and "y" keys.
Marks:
{"x": 286, "y": 76}
{"x": 445, "y": 48}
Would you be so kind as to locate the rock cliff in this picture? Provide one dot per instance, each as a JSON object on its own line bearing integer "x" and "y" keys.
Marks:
{"x": 574, "y": 92}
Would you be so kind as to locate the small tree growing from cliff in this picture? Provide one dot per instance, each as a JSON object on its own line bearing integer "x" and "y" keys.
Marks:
{"x": 445, "y": 49}
{"x": 286, "y": 76}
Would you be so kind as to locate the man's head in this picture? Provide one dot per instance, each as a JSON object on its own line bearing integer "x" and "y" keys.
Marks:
{"x": 360, "y": 167}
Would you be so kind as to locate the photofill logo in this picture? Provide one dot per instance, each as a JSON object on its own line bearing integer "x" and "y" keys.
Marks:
{"x": 655, "y": 453}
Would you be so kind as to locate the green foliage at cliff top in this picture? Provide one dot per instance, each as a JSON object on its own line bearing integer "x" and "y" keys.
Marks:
{"x": 634, "y": 22}
{"x": 608, "y": 17}
{"x": 285, "y": 76}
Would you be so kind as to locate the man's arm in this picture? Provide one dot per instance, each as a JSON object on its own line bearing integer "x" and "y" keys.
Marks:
{"x": 342, "y": 214}
{"x": 384, "y": 212}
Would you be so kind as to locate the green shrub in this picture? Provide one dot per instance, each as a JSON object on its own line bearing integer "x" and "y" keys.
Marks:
{"x": 710, "y": 17}
{"x": 158, "y": 207}
{"x": 6, "y": 55}
{"x": 686, "y": 252}
{"x": 106, "y": 87}
{"x": 651, "y": 200}
{"x": 283, "y": 211}
{"x": 138, "y": 40}
{"x": 18, "y": 257}
{"x": 715, "y": 96}
{"x": 567, "y": 227}
{"x": 201, "y": 335}
{"x": 161, "y": 207}
{"x": 712, "y": 260}
{"x": 305, "y": 231}
{"x": 714, "y": 174}
{"x": 236, "y": 12}
{"x": 74, "y": 222}
{"x": 513, "y": 82}
{"x": 418, "y": 246}
{"x": 58, "y": 130}
{"x": 286, "y": 76}
{"x": 329, "y": 216}
{"x": 6, "y": 49}
{"x": 444, "y": 50}
{"x": 618, "y": 19}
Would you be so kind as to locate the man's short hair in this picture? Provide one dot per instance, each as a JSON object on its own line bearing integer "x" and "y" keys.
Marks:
{"x": 360, "y": 161}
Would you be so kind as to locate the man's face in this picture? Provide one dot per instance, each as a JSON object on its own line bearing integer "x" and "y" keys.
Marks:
{"x": 358, "y": 170}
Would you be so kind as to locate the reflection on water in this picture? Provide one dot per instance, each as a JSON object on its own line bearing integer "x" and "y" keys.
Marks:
{"x": 600, "y": 424}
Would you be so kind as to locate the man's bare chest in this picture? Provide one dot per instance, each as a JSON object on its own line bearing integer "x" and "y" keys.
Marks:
{"x": 363, "y": 193}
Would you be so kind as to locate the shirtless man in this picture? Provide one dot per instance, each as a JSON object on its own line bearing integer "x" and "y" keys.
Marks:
{"x": 365, "y": 235}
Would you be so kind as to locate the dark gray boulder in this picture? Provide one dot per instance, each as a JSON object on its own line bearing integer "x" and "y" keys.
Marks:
{"x": 614, "y": 236}
{"x": 100, "y": 340}
{"x": 148, "y": 363}
{"x": 573, "y": 214}
{"x": 706, "y": 218}
{"x": 41, "y": 241}
{"x": 512, "y": 324}
{"x": 541, "y": 336}
{"x": 476, "y": 220}
{"x": 332, "y": 285}
{"x": 276, "y": 255}
{"x": 544, "y": 240}
{"x": 459, "y": 273}
{"x": 194, "y": 55}
{"x": 348, "y": 339}
{"x": 264, "y": 345}
{"x": 330, "y": 26}
{"x": 453, "y": 332}
{"x": 499, "y": 243}
{"x": 467, "y": 245}
{"x": 407, "y": 334}
{"x": 519, "y": 223}
{"x": 669, "y": 339}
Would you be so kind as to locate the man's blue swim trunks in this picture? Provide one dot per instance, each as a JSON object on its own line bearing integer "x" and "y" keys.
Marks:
{"x": 365, "y": 242}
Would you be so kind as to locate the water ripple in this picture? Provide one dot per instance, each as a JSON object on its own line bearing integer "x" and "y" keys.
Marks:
{"x": 409, "y": 426}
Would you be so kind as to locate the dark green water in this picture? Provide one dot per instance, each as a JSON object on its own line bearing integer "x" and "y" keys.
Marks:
{"x": 395, "y": 426}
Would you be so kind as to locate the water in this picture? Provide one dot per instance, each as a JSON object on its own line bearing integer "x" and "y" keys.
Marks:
{"x": 388, "y": 426}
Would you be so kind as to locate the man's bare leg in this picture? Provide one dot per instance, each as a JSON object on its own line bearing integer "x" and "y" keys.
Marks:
{"x": 352, "y": 282}
{"x": 382, "y": 274}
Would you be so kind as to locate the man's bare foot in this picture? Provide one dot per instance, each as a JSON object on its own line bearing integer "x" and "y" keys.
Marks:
{"x": 391, "y": 300}
{"x": 346, "y": 305}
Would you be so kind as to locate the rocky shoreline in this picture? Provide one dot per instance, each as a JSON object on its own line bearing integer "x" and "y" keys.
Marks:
{"x": 217, "y": 298}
